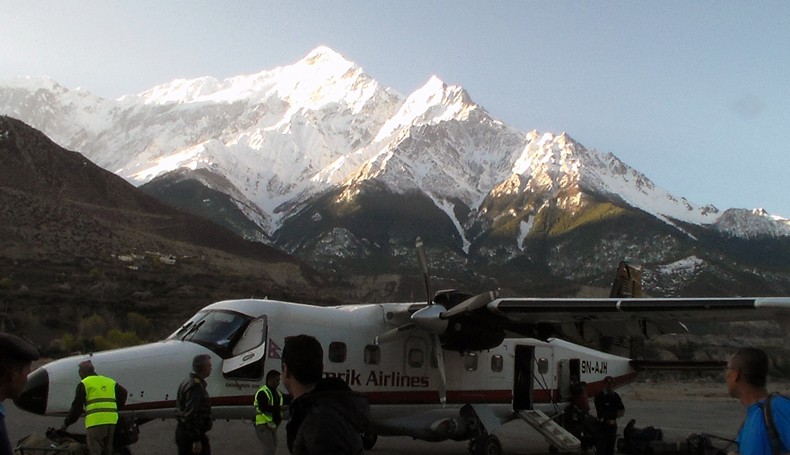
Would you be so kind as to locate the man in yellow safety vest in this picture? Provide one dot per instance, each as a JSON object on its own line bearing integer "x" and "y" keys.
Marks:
{"x": 100, "y": 397}
{"x": 268, "y": 412}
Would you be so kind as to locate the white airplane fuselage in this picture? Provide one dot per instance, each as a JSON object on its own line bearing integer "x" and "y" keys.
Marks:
{"x": 245, "y": 337}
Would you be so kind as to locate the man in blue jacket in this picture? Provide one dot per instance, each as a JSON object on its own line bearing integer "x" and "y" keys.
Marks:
{"x": 766, "y": 428}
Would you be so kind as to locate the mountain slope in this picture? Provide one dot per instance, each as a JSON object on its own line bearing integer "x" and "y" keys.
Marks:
{"x": 73, "y": 235}
{"x": 320, "y": 160}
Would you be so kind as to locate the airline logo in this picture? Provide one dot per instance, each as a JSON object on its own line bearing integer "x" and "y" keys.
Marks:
{"x": 379, "y": 379}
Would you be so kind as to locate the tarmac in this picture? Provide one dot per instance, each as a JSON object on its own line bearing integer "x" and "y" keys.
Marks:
{"x": 677, "y": 418}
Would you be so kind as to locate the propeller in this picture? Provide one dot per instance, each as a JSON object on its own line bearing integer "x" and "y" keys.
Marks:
{"x": 434, "y": 319}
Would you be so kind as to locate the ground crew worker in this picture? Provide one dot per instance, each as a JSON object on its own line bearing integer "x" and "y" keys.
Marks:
{"x": 16, "y": 356}
{"x": 609, "y": 407}
{"x": 268, "y": 412}
{"x": 100, "y": 397}
{"x": 193, "y": 410}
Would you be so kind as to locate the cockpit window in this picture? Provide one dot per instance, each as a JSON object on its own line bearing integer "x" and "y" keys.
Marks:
{"x": 216, "y": 330}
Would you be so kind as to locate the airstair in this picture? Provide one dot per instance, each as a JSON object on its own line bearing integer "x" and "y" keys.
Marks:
{"x": 553, "y": 432}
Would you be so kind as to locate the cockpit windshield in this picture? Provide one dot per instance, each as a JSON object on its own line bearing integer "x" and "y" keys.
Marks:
{"x": 214, "y": 329}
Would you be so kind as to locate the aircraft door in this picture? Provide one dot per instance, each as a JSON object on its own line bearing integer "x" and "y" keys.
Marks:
{"x": 523, "y": 375}
{"x": 249, "y": 352}
{"x": 569, "y": 373}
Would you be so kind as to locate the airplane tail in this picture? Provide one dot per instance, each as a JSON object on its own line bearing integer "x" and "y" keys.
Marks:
{"x": 627, "y": 282}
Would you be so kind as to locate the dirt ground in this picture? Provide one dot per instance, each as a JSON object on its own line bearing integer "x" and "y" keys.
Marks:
{"x": 686, "y": 391}
{"x": 678, "y": 409}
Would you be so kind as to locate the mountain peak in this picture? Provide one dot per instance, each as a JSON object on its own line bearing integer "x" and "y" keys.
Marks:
{"x": 432, "y": 103}
{"x": 436, "y": 91}
{"x": 34, "y": 83}
{"x": 322, "y": 66}
{"x": 324, "y": 54}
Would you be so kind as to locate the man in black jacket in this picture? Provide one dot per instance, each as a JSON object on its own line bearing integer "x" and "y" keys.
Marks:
{"x": 194, "y": 410}
{"x": 16, "y": 356}
{"x": 609, "y": 407}
{"x": 327, "y": 417}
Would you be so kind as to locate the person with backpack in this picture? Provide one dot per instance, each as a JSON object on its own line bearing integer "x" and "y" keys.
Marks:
{"x": 766, "y": 427}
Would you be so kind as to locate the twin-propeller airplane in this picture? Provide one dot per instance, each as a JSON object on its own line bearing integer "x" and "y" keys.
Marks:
{"x": 454, "y": 367}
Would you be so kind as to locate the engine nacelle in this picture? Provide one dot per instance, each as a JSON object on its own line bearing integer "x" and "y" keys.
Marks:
{"x": 471, "y": 333}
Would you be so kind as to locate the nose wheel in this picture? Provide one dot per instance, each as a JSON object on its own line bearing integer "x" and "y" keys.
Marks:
{"x": 482, "y": 441}
{"x": 485, "y": 445}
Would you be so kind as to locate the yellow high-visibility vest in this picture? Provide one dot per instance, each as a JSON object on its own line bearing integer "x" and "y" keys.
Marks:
{"x": 262, "y": 418}
{"x": 100, "y": 405}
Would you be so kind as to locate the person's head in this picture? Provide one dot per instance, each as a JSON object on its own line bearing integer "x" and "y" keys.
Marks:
{"x": 273, "y": 379}
{"x": 302, "y": 361}
{"x": 747, "y": 369}
{"x": 16, "y": 356}
{"x": 201, "y": 366}
{"x": 86, "y": 369}
{"x": 607, "y": 383}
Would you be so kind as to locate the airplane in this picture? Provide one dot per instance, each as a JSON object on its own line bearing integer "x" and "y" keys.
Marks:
{"x": 453, "y": 367}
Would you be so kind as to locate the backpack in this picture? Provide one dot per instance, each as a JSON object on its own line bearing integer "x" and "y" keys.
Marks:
{"x": 773, "y": 433}
{"x": 38, "y": 444}
{"x": 639, "y": 441}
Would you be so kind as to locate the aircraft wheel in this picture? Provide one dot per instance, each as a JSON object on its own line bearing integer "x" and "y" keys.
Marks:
{"x": 369, "y": 440}
{"x": 491, "y": 446}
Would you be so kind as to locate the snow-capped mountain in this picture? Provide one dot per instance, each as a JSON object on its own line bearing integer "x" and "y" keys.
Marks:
{"x": 299, "y": 141}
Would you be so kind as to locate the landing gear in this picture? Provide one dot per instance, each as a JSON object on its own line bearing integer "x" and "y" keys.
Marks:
{"x": 485, "y": 445}
{"x": 369, "y": 440}
{"x": 482, "y": 442}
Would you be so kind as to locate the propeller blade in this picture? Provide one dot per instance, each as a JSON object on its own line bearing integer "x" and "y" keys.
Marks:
{"x": 470, "y": 304}
{"x": 390, "y": 335}
{"x": 438, "y": 355}
{"x": 423, "y": 263}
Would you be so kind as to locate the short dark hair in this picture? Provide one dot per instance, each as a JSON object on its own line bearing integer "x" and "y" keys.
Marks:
{"x": 271, "y": 374}
{"x": 304, "y": 357}
{"x": 200, "y": 361}
{"x": 15, "y": 353}
{"x": 16, "y": 350}
{"x": 753, "y": 364}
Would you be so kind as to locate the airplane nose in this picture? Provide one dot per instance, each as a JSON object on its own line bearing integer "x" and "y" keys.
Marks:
{"x": 34, "y": 397}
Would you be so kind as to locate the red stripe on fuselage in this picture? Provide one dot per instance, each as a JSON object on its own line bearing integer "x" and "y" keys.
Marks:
{"x": 412, "y": 397}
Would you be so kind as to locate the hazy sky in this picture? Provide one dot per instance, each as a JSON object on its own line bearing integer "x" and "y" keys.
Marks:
{"x": 695, "y": 94}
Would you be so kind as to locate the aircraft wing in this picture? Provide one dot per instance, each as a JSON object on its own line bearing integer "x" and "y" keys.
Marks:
{"x": 635, "y": 316}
